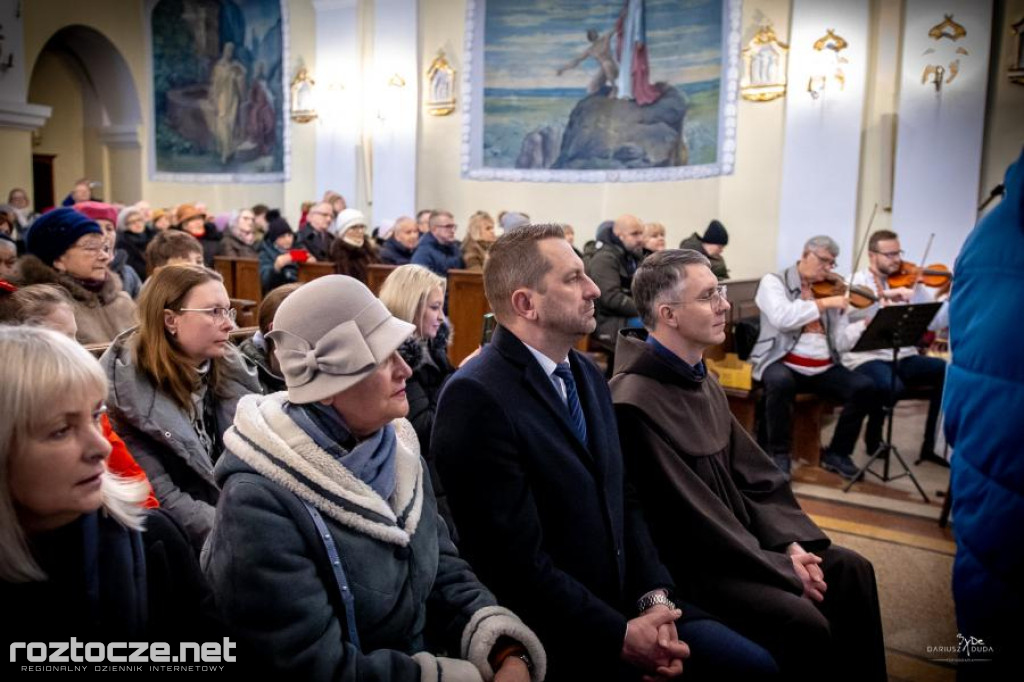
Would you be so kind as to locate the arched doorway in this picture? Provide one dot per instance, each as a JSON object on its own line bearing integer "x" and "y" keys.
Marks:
{"x": 94, "y": 130}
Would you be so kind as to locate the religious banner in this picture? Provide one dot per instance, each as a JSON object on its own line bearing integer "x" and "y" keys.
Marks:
{"x": 220, "y": 94}
{"x": 600, "y": 90}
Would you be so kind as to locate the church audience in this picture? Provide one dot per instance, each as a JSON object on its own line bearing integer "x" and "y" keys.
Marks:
{"x": 416, "y": 295}
{"x": 24, "y": 214}
{"x": 423, "y": 220}
{"x": 612, "y": 267}
{"x": 81, "y": 191}
{"x": 478, "y": 240}
{"x": 160, "y": 220}
{"x": 259, "y": 349}
{"x": 278, "y": 260}
{"x": 331, "y": 468}
{"x": 105, "y": 216}
{"x": 8, "y": 258}
{"x": 79, "y": 555}
{"x": 69, "y": 250}
{"x": 399, "y": 247}
{"x": 314, "y": 236}
{"x": 438, "y": 251}
{"x": 654, "y": 238}
{"x": 238, "y": 242}
{"x": 351, "y": 250}
{"x": 709, "y": 491}
{"x": 44, "y": 305}
{"x": 712, "y": 244}
{"x": 174, "y": 385}
{"x": 172, "y": 247}
{"x": 527, "y": 446}
{"x": 133, "y": 237}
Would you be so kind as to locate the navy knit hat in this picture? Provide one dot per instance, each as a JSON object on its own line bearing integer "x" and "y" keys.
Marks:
{"x": 276, "y": 228}
{"x": 715, "y": 234}
{"x": 55, "y": 232}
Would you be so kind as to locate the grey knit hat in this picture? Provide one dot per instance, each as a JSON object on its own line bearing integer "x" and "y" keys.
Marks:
{"x": 330, "y": 334}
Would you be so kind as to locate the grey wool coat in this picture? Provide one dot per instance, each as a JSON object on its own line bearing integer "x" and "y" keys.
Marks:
{"x": 275, "y": 587}
{"x": 161, "y": 437}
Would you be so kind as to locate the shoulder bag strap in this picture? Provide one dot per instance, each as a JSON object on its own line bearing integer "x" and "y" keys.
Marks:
{"x": 339, "y": 573}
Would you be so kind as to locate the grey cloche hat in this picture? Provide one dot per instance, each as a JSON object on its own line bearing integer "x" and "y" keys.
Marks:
{"x": 330, "y": 334}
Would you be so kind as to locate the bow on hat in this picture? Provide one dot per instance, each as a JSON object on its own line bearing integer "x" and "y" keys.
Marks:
{"x": 342, "y": 351}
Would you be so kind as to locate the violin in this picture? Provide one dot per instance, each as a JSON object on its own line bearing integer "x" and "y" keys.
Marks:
{"x": 936, "y": 275}
{"x": 834, "y": 285}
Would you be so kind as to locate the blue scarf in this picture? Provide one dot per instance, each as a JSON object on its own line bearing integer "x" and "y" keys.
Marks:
{"x": 371, "y": 460}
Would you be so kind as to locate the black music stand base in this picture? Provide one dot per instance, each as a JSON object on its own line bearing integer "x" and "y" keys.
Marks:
{"x": 888, "y": 330}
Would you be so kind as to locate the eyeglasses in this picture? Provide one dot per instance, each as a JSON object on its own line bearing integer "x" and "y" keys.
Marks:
{"x": 715, "y": 299}
{"x": 95, "y": 249}
{"x": 890, "y": 254}
{"x": 217, "y": 312}
{"x": 448, "y": 226}
{"x": 827, "y": 262}
{"x": 323, "y": 213}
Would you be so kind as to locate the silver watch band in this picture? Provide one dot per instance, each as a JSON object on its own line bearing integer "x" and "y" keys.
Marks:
{"x": 649, "y": 600}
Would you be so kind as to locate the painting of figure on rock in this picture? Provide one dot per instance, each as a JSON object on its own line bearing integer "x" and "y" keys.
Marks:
{"x": 598, "y": 90}
{"x": 218, "y": 95}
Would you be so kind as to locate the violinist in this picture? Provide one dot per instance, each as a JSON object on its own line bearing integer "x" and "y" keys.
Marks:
{"x": 885, "y": 264}
{"x": 798, "y": 351}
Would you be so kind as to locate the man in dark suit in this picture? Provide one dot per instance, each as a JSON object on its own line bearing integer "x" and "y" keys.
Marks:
{"x": 526, "y": 444}
{"x": 314, "y": 236}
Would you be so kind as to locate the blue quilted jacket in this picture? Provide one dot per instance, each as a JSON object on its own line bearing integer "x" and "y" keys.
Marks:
{"x": 984, "y": 405}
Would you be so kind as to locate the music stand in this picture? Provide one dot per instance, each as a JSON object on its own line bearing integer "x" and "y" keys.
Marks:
{"x": 893, "y": 327}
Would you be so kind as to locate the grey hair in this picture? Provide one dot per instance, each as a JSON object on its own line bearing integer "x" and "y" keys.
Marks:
{"x": 822, "y": 241}
{"x": 659, "y": 275}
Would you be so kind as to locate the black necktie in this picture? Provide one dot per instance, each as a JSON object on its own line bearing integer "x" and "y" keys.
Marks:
{"x": 579, "y": 424}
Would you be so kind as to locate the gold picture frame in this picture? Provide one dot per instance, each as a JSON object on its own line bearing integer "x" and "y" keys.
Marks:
{"x": 440, "y": 86}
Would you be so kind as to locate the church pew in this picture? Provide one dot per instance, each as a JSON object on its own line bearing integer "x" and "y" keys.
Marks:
{"x": 375, "y": 276}
{"x": 467, "y": 306}
{"x": 247, "y": 280}
{"x": 310, "y": 271}
{"x": 225, "y": 265}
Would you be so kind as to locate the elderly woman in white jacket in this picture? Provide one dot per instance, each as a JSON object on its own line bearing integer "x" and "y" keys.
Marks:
{"x": 328, "y": 557}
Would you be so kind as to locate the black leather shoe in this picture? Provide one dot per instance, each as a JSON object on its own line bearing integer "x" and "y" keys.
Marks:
{"x": 932, "y": 458}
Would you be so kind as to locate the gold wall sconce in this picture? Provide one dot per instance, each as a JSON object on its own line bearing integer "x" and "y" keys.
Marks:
{"x": 944, "y": 73}
{"x": 303, "y": 97}
{"x": 828, "y": 68}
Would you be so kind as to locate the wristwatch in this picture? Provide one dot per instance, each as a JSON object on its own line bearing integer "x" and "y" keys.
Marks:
{"x": 653, "y": 599}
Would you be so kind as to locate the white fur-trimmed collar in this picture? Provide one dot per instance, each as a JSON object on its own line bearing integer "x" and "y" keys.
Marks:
{"x": 266, "y": 438}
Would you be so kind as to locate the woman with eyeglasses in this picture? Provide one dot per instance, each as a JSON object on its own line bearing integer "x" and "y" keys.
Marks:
{"x": 69, "y": 250}
{"x": 174, "y": 384}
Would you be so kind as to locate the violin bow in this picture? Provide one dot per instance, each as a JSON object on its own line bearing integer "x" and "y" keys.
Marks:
{"x": 924, "y": 259}
{"x": 860, "y": 251}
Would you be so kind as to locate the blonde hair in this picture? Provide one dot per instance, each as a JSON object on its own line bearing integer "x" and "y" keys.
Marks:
{"x": 652, "y": 230}
{"x": 476, "y": 223}
{"x": 406, "y": 289}
{"x": 41, "y": 369}
{"x": 155, "y": 352}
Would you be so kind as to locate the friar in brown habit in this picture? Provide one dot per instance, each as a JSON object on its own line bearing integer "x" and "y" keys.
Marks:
{"x": 724, "y": 519}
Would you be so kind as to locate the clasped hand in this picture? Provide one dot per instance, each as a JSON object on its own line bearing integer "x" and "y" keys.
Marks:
{"x": 652, "y": 643}
{"x": 807, "y": 568}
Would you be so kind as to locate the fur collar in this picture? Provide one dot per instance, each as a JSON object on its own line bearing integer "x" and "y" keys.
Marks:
{"x": 266, "y": 439}
{"x": 35, "y": 271}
